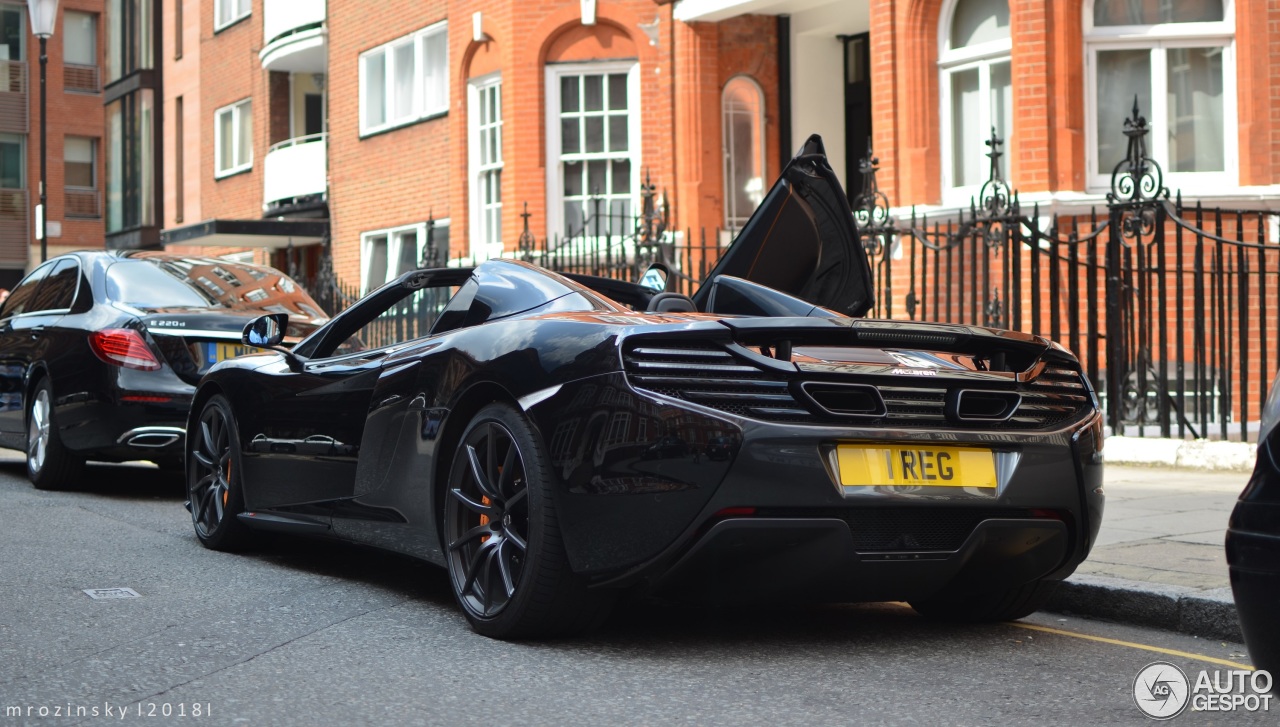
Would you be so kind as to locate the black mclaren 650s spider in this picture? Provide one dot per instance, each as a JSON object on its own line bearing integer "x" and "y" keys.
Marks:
{"x": 557, "y": 442}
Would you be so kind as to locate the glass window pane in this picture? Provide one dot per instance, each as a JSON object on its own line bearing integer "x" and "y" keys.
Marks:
{"x": 375, "y": 77}
{"x": 402, "y": 91}
{"x": 12, "y": 162}
{"x": 1128, "y": 12}
{"x": 966, "y": 138}
{"x": 115, "y": 165}
{"x": 593, "y": 93}
{"x": 979, "y": 21}
{"x": 620, "y": 215}
{"x": 1196, "y": 134}
{"x": 569, "y": 93}
{"x": 1002, "y": 113}
{"x": 246, "y": 134}
{"x": 622, "y": 176}
{"x": 375, "y": 263}
{"x": 1121, "y": 75}
{"x": 115, "y": 48}
{"x": 617, "y": 133}
{"x": 146, "y": 168}
{"x": 597, "y": 180}
{"x": 573, "y": 179}
{"x": 436, "y": 72}
{"x": 594, "y": 134}
{"x": 78, "y": 153}
{"x": 617, "y": 91}
{"x": 408, "y": 252}
{"x": 572, "y": 217}
{"x": 226, "y": 140}
{"x": 569, "y": 142}
{"x": 80, "y": 45}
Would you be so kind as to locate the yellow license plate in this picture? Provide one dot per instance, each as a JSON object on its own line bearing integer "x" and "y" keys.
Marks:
{"x": 224, "y": 351}
{"x": 916, "y": 465}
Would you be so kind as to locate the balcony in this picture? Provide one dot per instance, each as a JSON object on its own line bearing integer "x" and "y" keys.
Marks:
{"x": 293, "y": 36}
{"x": 294, "y": 176}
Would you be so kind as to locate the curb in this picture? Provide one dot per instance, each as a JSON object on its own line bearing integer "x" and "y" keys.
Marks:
{"x": 1198, "y": 454}
{"x": 1206, "y": 614}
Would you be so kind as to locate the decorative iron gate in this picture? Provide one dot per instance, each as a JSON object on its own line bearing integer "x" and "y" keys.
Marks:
{"x": 1173, "y": 322}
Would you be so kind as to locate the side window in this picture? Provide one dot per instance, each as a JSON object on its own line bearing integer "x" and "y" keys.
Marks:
{"x": 59, "y": 288}
{"x": 20, "y": 299}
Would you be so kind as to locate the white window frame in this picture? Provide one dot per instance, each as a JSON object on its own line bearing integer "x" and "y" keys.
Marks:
{"x": 236, "y": 110}
{"x": 731, "y": 222}
{"x": 419, "y": 107}
{"x": 395, "y": 240}
{"x": 1159, "y": 39}
{"x": 951, "y": 61}
{"x": 484, "y": 242}
{"x": 245, "y": 7}
{"x": 551, "y": 114}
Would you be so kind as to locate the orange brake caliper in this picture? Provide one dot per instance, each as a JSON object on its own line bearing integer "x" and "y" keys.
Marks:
{"x": 484, "y": 519}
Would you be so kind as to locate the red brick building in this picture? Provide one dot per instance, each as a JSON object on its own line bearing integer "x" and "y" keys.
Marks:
{"x": 75, "y": 134}
{"x": 286, "y": 123}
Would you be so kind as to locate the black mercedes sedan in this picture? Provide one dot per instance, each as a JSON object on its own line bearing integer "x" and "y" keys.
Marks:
{"x": 100, "y": 352}
{"x": 1253, "y": 545}
{"x": 555, "y": 447}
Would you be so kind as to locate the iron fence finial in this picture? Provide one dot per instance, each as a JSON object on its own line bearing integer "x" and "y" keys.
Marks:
{"x": 525, "y": 242}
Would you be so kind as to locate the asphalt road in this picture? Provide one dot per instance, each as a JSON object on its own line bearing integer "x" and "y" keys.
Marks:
{"x": 314, "y": 633}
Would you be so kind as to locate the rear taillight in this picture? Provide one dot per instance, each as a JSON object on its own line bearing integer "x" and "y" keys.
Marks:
{"x": 123, "y": 347}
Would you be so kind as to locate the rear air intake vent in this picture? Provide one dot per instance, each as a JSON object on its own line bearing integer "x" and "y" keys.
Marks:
{"x": 706, "y": 374}
{"x": 713, "y": 375}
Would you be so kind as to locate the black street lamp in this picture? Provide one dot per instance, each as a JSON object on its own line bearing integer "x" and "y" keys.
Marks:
{"x": 44, "y": 14}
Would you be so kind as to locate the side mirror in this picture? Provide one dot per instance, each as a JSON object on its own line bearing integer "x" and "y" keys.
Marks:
{"x": 656, "y": 277}
{"x": 265, "y": 331}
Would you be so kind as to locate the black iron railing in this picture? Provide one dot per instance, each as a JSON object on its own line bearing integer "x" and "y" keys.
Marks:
{"x": 1171, "y": 306}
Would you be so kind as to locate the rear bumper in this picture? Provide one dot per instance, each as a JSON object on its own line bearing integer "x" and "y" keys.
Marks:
{"x": 637, "y": 516}
{"x": 139, "y": 415}
{"x": 817, "y": 560}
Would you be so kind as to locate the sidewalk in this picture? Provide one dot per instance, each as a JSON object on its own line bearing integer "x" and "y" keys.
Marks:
{"x": 1159, "y": 559}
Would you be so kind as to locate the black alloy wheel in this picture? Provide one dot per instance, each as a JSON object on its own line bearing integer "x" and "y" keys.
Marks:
{"x": 488, "y": 516}
{"x": 50, "y": 465}
{"x": 506, "y": 560}
{"x": 213, "y": 478}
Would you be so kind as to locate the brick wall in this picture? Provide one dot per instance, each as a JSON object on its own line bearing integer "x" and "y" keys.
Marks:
{"x": 70, "y": 114}
{"x": 1048, "y": 57}
{"x": 182, "y": 79}
{"x": 397, "y": 177}
{"x": 230, "y": 72}
{"x": 404, "y": 175}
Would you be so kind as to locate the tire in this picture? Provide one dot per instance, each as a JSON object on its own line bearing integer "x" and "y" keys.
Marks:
{"x": 988, "y": 606}
{"x": 214, "y": 481}
{"x": 50, "y": 465}
{"x": 507, "y": 562}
